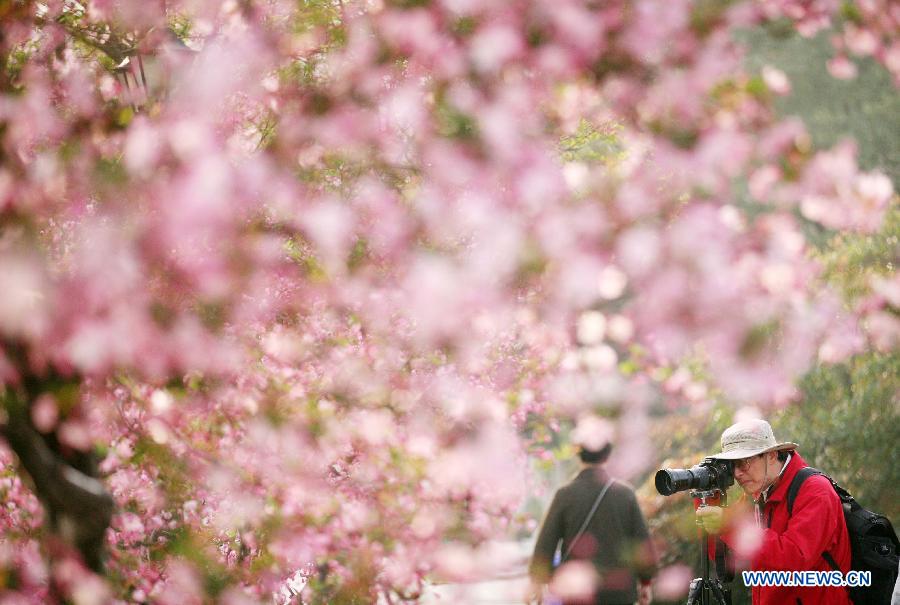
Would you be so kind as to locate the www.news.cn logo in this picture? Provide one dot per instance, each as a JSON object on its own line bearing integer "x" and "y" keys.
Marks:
{"x": 807, "y": 578}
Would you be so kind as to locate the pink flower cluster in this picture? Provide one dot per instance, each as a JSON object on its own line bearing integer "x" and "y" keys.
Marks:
{"x": 316, "y": 282}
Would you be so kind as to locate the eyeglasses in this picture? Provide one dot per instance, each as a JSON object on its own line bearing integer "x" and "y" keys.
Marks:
{"x": 744, "y": 463}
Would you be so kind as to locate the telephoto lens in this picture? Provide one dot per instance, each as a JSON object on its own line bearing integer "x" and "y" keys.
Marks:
{"x": 709, "y": 474}
{"x": 670, "y": 481}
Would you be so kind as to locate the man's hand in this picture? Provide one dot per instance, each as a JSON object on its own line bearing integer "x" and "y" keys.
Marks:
{"x": 645, "y": 594}
{"x": 710, "y": 518}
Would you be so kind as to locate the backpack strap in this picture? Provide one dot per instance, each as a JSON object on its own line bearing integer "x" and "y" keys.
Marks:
{"x": 802, "y": 475}
{"x": 830, "y": 560}
{"x": 794, "y": 488}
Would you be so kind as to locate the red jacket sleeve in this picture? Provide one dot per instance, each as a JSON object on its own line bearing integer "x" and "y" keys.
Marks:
{"x": 810, "y": 530}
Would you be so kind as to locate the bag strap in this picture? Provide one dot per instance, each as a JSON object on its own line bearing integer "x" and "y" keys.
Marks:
{"x": 587, "y": 520}
{"x": 802, "y": 475}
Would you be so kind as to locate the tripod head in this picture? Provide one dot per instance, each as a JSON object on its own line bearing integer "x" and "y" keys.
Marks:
{"x": 709, "y": 497}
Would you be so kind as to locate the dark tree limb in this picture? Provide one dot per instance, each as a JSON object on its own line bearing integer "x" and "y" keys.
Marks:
{"x": 78, "y": 506}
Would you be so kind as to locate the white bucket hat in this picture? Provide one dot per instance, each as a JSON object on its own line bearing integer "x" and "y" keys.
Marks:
{"x": 750, "y": 438}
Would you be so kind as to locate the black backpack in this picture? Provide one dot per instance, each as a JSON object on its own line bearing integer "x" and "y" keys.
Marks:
{"x": 873, "y": 543}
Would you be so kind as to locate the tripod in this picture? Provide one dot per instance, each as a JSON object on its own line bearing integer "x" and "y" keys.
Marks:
{"x": 707, "y": 590}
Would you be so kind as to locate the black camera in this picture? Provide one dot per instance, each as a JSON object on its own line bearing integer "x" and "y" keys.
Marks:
{"x": 711, "y": 474}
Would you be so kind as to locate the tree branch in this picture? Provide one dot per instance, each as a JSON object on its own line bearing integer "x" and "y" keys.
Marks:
{"x": 78, "y": 506}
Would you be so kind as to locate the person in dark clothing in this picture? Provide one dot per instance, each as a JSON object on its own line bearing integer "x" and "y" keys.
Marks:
{"x": 615, "y": 539}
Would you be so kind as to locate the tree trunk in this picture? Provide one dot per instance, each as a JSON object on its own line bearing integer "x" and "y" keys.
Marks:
{"x": 79, "y": 508}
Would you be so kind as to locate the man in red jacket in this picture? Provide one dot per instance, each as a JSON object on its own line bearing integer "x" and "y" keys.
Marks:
{"x": 813, "y": 538}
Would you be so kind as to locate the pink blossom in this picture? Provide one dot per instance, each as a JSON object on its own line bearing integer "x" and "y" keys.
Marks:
{"x": 842, "y": 68}
{"x": 884, "y": 330}
{"x": 183, "y": 586}
{"x": 45, "y": 413}
{"x": 593, "y": 432}
{"x": 776, "y": 80}
{"x": 494, "y": 46}
{"x": 575, "y": 580}
{"x": 672, "y": 582}
{"x": 25, "y": 299}
{"x": 653, "y": 27}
